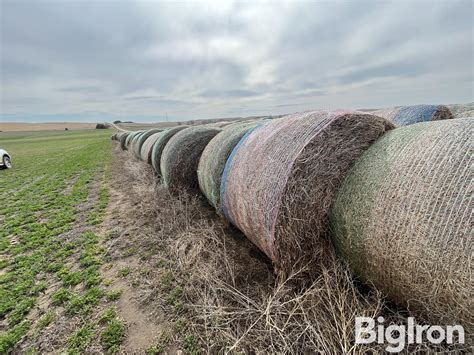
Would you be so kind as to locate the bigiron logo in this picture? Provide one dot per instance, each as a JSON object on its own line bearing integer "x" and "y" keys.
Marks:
{"x": 398, "y": 336}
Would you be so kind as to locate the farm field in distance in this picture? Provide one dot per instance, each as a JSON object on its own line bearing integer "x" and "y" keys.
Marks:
{"x": 53, "y": 202}
{"x": 44, "y": 126}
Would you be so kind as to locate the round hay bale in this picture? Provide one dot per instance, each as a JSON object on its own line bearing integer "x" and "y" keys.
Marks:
{"x": 145, "y": 152}
{"x": 160, "y": 144}
{"x": 213, "y": 159}
{"x": 407, "y": 115}
{"x": 130, "y": 137}
{"x": 402, "y": 219}
{"x": 134, "y": 141}
{"x": 123, "y": 139}
{"x": 118, "y": 136}
{"x": 462, "y": 110}
{"x": 141, "y": 139}
{"x": 222, "y": 124}
{"x": 180, "y": 158}
{"x": 279, "y": 182}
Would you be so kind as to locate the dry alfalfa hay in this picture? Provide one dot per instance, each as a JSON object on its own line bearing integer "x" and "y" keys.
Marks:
{"x": 402, "y": 219}
{"x": 214, "y": 157}
{"x": 407, "y": 115}
{"x": 145, "y": 152}
{"x": 123, "y": 140}
{"x": 141, "y": 140}
{"x": 279, "y": 182}
{"x": 180, "y": 158}
{"x": 160, "y": 144}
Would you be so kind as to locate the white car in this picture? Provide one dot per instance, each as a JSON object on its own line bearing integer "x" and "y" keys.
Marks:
{"x": 5, "y": 160}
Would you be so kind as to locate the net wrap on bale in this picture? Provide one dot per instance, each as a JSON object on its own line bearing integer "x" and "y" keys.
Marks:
{"x": 180, "y": 158}
{"x": 278, "y": 183}
{"x": 145, "y": 153}
{"x": 214, "y": 157}
{"x": 407, "y": 115}
{"x": 160, "y": 144}
{"x": 462, "y": 110}
{"x": 402, "y": 219}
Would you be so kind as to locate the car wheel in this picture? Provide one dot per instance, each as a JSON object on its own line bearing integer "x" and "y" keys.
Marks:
{"x": 7, "y": 163}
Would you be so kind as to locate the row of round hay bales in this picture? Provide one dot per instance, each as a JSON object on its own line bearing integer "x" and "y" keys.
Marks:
{"x": 279, "y": 182}
{"x": 180, "y": 157}
{"x": 395, "y": 203}
{"x": 159, "y": 146}
{"x": 407, "y": 115}
{"x": 403, "y": 219}
{"x": 214, "y": 157}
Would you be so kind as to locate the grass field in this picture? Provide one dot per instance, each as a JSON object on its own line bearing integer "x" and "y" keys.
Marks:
{"x": 53, "y": 201}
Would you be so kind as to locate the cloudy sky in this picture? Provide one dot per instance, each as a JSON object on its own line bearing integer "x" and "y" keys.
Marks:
{"x": 79, "y": 60}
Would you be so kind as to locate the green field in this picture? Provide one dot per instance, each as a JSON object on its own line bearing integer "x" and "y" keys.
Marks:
{"x": 52, "y": 202}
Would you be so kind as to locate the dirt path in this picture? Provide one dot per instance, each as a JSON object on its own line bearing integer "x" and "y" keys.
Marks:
{"x": 143, "y": 328}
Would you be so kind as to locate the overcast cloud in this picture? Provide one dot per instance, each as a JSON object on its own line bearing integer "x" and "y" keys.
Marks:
{"x": 143, "y": 60}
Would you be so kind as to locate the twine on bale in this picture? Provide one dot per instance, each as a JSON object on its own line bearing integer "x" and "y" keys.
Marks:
{"x": 213, "y": 159}
{"x": 402, "y": 219}
{"x": 407, "y": 115}
{"x": 141, "y": 140}
{"x": 180, "y": 158}
{"x": 160, "y": 144}
{"x": 279, "y": 181}
{"x": 145, "y": 153}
